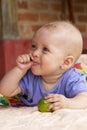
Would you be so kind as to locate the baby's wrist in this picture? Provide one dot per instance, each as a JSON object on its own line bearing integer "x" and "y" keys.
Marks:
{"x": 21, "y": 70}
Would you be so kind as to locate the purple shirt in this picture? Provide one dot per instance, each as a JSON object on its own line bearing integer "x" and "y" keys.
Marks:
{"x": 71, "y": 83}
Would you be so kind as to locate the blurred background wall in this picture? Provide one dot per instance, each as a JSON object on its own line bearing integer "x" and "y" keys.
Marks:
{"x": 34, "y": 13}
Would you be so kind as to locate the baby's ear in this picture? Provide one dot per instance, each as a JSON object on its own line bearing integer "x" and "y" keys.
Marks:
{"x": 68, "y": 62}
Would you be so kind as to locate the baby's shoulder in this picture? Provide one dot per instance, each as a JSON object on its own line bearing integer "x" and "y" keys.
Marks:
{"x": 73, "y": 74}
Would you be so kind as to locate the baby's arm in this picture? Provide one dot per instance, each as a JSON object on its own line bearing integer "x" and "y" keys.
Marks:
{"x": 9, "y": 85}
{"x": 60, "y": 101}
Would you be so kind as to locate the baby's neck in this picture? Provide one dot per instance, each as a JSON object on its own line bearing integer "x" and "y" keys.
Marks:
{"x": 50, "y": 81}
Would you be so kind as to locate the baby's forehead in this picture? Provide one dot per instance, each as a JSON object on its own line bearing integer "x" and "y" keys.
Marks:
{"x": 63, "y": 31}
{"x": 59, "y": 27}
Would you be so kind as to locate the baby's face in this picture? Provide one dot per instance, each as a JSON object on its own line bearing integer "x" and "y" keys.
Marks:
{"x": 47, "y": 54}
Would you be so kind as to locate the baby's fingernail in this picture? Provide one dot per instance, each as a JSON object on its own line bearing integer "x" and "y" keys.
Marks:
{"x": 45, "y": 101}
{"x": 45, "y": 97}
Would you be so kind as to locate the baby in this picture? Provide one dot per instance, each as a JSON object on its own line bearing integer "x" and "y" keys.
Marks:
{"x": 47, "y": 70}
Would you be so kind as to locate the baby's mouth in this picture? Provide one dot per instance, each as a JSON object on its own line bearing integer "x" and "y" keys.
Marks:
{"x": 34, "y": 63}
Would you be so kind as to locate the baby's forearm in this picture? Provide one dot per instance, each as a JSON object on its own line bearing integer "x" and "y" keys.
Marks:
{"x": 78, "y": 102}
{"x": 9, "y": 85}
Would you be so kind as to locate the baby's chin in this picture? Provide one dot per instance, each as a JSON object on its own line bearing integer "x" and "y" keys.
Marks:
{"x": 35, "y": 72}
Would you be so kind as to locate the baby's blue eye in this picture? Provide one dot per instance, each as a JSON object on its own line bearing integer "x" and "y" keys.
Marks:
{"x": 45, "y": 49}
{"x": 33, "y": 46}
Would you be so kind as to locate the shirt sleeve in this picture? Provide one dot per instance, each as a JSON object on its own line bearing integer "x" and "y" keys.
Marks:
{"x": 26, "y": 83}
{"x": 76, "y": 84}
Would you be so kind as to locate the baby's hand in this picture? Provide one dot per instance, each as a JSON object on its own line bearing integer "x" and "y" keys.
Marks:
{"x": 24, "y": 61}
{"x": 58, "y": 101}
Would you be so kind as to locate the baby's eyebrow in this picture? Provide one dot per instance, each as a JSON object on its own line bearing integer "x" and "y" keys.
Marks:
{"x": 32, "y": 41}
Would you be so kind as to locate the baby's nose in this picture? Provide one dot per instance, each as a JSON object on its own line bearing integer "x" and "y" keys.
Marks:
{"x": 36, "y": 53}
